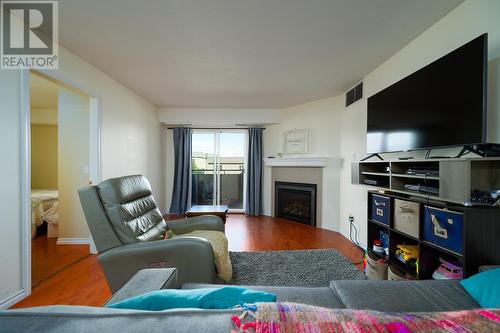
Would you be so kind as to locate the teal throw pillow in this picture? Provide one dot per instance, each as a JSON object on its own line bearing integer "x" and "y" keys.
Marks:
{"x": 203, "y": 298}
{"x": 484, "y": 288}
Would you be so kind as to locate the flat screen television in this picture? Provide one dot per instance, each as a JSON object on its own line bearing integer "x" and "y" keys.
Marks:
{"x": 440, "y": 105}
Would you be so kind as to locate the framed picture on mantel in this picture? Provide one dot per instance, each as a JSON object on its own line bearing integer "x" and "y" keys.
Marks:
{"x": 295, "y": 141}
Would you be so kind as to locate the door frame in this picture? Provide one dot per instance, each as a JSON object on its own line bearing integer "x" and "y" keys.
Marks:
{"x": 216, "y": 132}
{"x": 95, "y": 110}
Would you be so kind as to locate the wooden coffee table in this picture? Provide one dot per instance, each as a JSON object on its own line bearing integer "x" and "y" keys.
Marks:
{"x": 218, "y": 210}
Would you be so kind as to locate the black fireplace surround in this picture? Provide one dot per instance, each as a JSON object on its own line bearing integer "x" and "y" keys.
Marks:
{"x": 296, "y": 202}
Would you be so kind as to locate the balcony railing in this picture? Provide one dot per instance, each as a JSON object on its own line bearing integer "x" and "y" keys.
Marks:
{"x": 230, "y": 187}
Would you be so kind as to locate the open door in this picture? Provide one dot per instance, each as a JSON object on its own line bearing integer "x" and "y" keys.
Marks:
{"x": 74, "y": 164}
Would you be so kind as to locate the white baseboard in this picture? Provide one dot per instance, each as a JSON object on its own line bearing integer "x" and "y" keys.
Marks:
{"x": 13, "y": 299}
{"x": 93, "y": 248}
{"x": 78, "y": 241}
{"x": 73, "y": 241}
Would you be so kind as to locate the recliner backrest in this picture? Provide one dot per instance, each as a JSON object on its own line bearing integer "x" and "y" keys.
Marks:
{"x": 102, "y": 231}
{"x": 131, "y": 209}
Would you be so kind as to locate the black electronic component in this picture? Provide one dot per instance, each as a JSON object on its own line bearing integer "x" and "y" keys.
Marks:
{"x": 436, "y": 106}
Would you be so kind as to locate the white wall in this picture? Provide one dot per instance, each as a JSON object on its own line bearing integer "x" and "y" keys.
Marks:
{"x": 464, "y": 23}
{"x": 322, "y": 118}
{"x": 353, "y": 146}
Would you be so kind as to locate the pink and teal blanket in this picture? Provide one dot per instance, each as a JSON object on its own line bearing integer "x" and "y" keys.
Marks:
{"x": 292, "y": 317}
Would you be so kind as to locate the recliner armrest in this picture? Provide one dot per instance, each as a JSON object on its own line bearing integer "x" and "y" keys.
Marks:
{"x": 193, "y": 257}
{"x": 144, "y": 281}
{"x": 203, "y": 222}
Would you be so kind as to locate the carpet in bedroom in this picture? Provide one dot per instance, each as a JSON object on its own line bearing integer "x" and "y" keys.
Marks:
{"x": 295, "y": 268}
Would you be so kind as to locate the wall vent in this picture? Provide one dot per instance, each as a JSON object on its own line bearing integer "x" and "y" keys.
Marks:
{"x": 354, "y": 94}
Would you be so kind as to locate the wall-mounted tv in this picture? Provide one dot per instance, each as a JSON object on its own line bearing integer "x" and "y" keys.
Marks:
{"x": 440, "y": 105}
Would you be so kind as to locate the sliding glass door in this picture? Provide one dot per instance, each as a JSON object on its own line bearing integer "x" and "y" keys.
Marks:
{"x": 218, "y": 168}
{"x": 203, "y": 169}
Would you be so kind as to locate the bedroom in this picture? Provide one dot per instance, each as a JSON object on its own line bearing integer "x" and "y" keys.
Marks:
{"x": 56, "y": 132}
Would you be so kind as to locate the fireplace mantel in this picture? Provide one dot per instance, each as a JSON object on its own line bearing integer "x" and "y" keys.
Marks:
{"x": 297, "y": 161}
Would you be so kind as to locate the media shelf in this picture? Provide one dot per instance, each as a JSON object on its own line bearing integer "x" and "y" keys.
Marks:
{"x": 376, "y": 174}
{"x": 474, "y": 231}
{"x": 449, "y": 180}
{"x": 397, "y": 175}
{"x": 383, "y": 174}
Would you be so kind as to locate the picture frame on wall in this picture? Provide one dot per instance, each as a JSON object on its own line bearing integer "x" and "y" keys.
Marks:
{"x": 295, "y": 141}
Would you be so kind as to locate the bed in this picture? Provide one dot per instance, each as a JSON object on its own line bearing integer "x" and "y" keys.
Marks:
{"x": 44, "y": 208}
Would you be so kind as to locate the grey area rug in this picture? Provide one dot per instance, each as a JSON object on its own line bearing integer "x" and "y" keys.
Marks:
{"x": 297, "y": 268}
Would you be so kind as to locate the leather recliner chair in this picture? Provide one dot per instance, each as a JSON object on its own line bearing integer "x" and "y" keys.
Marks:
{"x": 128, "y": 230}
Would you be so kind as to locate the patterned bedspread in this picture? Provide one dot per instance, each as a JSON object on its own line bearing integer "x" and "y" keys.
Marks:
{"x": 292, "y": 317}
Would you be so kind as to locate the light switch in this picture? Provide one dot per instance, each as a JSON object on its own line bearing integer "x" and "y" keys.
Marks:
{"x": 86, "y": 170}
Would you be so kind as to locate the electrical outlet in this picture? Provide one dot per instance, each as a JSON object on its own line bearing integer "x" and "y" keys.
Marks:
{"x": 351, "y": 218}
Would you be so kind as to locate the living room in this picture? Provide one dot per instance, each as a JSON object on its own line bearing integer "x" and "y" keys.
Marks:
{"x": 238, "y": 109}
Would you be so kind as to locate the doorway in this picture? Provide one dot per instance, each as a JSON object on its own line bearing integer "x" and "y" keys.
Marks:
{"x": 63, "y": 156}
{"x": 219, "y": 168}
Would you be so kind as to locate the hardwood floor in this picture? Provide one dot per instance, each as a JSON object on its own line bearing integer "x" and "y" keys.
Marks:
{"x": 262, "y": 233}
{"x": 48, "y": 258}
{"x": 83, "y": 283}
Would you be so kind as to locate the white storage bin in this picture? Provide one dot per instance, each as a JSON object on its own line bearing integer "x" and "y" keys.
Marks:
{"x": 375, "y": 270}
{"x": 406, "y": 217}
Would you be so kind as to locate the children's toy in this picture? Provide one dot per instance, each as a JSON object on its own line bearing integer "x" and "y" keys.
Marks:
{"x": 384, "y": 240}
{"x": 447, "y": 271}
{"x": 407, "y": 254}
{"x": 377, "y": 247}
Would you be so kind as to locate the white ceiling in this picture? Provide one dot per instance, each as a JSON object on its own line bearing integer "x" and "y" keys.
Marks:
{"x": 242, "y": 53}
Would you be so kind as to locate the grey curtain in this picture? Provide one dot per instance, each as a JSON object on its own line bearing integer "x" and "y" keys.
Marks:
{"x": 181, "y": 194}
{"x": 254, "y": 172}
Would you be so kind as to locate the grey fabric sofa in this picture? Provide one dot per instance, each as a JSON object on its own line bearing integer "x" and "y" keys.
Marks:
{"x": 399, "y": 296}
{"x": 127, "y": 228}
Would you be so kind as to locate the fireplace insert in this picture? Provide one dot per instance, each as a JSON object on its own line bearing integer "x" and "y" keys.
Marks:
{"x": 296, "y": 202}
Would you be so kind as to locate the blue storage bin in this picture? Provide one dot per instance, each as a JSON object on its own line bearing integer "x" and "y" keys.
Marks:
{"x": 443, "y": 228}
{"x": 384, "y": 240}
{"x": 380, "y": 210}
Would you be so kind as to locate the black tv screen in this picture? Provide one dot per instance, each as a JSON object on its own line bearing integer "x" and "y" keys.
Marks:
{"x": 442, "y": 104}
